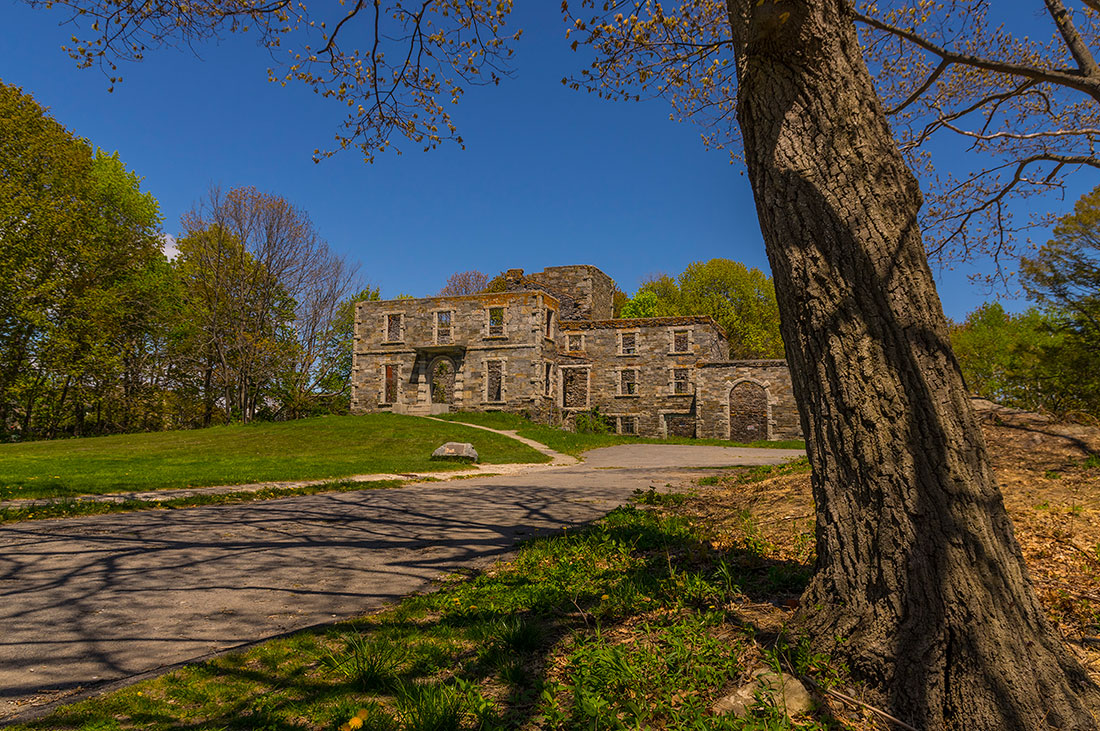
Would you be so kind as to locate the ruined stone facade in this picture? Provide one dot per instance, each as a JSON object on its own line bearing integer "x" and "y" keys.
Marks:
{"x": 548, "y": 347}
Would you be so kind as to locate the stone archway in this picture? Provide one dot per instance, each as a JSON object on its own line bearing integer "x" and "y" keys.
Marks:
{"x": 441, "y": 380}
{"x": 748, "y": 412}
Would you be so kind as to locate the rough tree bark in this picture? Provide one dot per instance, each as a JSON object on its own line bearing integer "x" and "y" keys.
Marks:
{"x": 920, "y": 583}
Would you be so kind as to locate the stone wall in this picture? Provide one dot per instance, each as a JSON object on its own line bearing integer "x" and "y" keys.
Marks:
{"x": 715, "y": 384}
{"x": 632, "y": 366}
{"x": 408, "y": 335}
{"x": 588, "y": 289}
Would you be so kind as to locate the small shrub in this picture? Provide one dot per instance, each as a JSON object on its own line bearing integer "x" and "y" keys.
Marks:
{"x": 591, "y": 422}
{"x": 652, "y": 497}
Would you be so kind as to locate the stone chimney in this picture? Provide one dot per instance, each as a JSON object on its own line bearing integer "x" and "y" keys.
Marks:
{"x": 513, "y": 279}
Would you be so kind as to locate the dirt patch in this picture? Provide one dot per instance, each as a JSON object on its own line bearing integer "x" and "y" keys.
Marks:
{"x": 1049, "y": 474}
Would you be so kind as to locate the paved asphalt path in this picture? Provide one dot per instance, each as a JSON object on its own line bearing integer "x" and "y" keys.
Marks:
{"x": 86, "y": 601}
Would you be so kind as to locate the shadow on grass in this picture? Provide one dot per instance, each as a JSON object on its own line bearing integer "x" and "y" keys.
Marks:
{"x": 537, "y": 641}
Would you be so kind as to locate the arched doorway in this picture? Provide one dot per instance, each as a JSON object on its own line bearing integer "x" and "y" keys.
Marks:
{"x": 748, "y": 412}
{"x": 442, "y": 375}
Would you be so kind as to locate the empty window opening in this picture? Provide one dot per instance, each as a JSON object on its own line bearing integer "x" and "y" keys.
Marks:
{"x": 496, "y": 322}
{"x": 393, "y": 328}
{"x": 547, "y": 377}
{"x": 443, "y": 381}
{"x": 574, "y": 387}
{"x": 628, "y": 425}
{"x": 627, "y": 343}
{"x": 680, "y": 425}
{"x": 494, "y": 380}
{"x": 681, "y": 381}
{"x": 681, "y": 341}
{"x": 628, "y": 382}
{"x": 574, "y": 343}
{"x": 549, "y": 323}
{"x": 443, "y": 327}
{"x": 390, "y": 394}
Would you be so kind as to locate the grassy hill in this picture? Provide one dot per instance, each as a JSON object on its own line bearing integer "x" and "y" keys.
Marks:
{"x": 318, "y": 448}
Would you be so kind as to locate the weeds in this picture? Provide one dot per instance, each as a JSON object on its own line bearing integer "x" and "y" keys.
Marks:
{"x": 372, "y": 665}
{"x": 431, "y": 707}
{"x": 652, "y": 497}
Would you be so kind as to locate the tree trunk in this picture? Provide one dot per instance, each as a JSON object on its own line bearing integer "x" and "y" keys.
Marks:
{"x": 920, "y": 584}
{"x": 207, "y": 395}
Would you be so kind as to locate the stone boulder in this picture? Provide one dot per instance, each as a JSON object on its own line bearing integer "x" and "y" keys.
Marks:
{"x": 456, "y": 452}
{"x": 780, "y": 690}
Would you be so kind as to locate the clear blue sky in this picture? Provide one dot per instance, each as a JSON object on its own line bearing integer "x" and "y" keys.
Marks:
{"x": 549, "y": 176}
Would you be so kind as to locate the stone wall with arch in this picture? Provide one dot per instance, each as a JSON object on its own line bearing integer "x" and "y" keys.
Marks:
{"x": 717, "y": 394}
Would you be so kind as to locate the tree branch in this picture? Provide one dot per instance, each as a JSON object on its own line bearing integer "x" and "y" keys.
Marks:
{"x": 1070, "y": 78}
{"x": 922, "y": 88}
{"x": 1076, "y": 45}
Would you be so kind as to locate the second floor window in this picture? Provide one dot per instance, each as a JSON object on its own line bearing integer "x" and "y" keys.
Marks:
{"x": 549, "y": 323}
{"x": 443, "y": 327}
{"x": 393, "y": 328}
{"x": 628, "y": 343}
{"x": 573, "y": 343}
{"x": 681, "y": 341}
{"x": 628, "y": 383}
{"x": 496, "y": 322}
{"x": 681, "y": 382}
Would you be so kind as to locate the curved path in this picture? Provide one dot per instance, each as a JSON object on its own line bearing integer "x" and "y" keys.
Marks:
{"x": 87, "y": 601}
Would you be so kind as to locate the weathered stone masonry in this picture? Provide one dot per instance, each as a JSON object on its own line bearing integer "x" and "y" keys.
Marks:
{"x": 548, "y": 347}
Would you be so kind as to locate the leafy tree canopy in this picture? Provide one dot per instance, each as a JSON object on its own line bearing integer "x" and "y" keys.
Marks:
{"x": 1065, "y": 273}
{"x": 740, "y": 299}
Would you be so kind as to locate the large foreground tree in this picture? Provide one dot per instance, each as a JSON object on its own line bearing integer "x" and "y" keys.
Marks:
{"x": 919, "y": 580}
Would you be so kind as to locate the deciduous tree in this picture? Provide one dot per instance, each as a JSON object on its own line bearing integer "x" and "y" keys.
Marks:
{"x": 268, "y": 290}
{"x": 468, "y": 282}
{"x": 1065, "y": 272}
{"x": 1028, "y": 361}
{"x": 740, "y": 299}
{"x": 77, "y": 235}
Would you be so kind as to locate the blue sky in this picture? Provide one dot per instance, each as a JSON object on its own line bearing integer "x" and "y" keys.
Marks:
{"x": 549, "y": 176}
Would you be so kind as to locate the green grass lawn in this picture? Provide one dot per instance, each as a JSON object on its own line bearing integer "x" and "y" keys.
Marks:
{"x": 639, "y": 621}
{"x": 575, "y": 444}
{"x": 319, "y": 448}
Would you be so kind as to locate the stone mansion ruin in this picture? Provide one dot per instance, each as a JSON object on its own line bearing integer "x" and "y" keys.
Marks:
{"x": 548, "y": 347}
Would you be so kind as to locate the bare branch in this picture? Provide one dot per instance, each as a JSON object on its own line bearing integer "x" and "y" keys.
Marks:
{"x": 1063, "y": 77}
